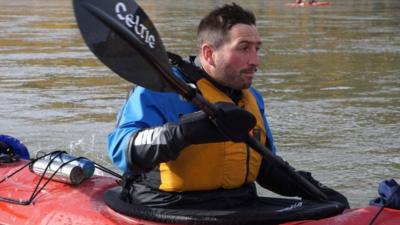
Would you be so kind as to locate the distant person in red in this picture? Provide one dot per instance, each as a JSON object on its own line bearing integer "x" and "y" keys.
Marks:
{"x": 302, "y": 2}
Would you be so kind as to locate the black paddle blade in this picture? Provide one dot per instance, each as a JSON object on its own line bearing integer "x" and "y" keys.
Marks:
{"x": 122, "y": 36}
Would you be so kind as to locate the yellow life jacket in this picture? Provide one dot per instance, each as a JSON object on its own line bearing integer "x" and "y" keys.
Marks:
{"x": 215, "y": 165}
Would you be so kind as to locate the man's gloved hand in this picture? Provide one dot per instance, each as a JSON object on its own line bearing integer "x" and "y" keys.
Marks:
{"x": 151, "y": 146}
{"x": 233, "y": 124}
{"x": 276, "y": 180}
{"x": 330, "y": 193}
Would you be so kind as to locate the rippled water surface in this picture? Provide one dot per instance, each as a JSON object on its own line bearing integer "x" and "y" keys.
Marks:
{"x": 330, "y": 77}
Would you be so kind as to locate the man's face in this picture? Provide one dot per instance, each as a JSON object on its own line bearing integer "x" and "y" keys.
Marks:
{"x": 236, "y": 60}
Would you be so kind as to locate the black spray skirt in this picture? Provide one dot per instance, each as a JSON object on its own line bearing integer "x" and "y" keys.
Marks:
{"x": 260, "y": 210}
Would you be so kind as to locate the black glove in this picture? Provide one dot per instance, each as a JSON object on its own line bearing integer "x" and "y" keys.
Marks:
{"x": 275, "y": 179}
{"x": 233, "y": 124}
{"x": 330, "y": 193}
{"x": 149, "y": 147}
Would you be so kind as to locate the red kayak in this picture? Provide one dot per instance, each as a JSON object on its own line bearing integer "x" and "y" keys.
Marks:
{"x": 61, "y": 203}
{"x": 308, "y": 4}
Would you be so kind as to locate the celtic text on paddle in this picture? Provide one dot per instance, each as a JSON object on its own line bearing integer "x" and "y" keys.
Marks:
{"x": 134, "y": 22}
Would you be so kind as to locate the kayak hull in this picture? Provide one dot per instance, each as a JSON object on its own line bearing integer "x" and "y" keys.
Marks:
{"x": 60, "y": 203}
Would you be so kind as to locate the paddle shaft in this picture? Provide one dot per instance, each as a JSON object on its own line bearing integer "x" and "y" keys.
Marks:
{"x": 190, "y": 94}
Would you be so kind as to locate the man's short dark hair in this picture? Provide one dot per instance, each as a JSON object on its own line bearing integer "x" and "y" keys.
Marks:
{"x": 217, "y": 23}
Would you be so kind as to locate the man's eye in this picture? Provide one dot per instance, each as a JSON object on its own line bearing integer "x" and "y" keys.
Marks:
{"x": 244, "y": 48}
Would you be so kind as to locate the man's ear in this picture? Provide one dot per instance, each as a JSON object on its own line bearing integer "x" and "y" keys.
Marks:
{"x": 207, "y": 52}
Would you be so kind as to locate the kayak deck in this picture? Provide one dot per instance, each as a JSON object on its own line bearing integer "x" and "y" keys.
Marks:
{"x": 60, "y": 203}
{"x": 57, "y": 203}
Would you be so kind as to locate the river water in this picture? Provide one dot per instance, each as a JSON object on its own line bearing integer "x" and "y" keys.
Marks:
{"x": 330, "y": 77}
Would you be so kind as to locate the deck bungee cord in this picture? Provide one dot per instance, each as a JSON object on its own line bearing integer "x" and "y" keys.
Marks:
{"x": 52, "y": 157}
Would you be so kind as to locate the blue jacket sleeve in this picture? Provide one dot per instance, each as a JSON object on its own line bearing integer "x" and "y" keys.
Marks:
{"x": 261, "y": 106}
{"x": 143, "y": 109}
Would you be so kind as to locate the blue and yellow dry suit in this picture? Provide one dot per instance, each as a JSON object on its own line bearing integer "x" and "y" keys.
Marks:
{"x": 214, "y": 175}
{"x": 199, "y": 167}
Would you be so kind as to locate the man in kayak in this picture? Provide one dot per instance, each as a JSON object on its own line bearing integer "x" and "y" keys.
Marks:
{"x": 186, "y": 159}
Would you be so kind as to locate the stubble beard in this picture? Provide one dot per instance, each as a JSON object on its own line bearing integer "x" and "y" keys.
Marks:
{"x": 231, "y": 78}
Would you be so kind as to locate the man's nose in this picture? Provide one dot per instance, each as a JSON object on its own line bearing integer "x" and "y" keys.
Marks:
{"x": 253, "y": 58}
